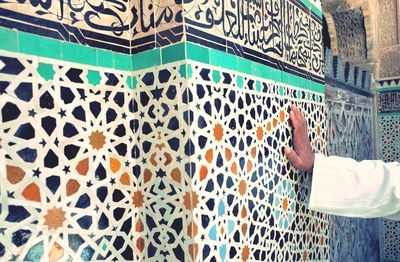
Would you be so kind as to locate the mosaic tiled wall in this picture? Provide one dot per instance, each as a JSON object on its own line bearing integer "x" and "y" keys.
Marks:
{"x": 388, "y": 137}
{"x": 168, "y": 154}
{"x": 251, "y": 203}
{"x": 189, "y": 182}
{"x": 349, "y": 134}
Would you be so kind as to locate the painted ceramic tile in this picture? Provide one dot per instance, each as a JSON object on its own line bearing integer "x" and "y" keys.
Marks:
{"x": 143, "y": 26}
{"x": 250, "y": 203}
{"x": 388, "y": 149}
{"x": 168, "y": 22}
{"x": 122, "y": 26}
{"x": 388, "y": 101}
{"x": 86, "y": 22}
{"x": 279, "y": 33}
{"x": 177, "y": 161}
{"x": 89, "y": 165}
{"x": 388, "y": 134}
{"x": 102, "y": 164}
{"x": 316, "y": 64}
{"x": 164, "y": 184}
{"x": 274, "y": 32}
{"x": 68, "y": 177}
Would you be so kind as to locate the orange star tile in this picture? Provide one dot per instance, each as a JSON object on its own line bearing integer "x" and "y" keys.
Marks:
{"x": 218, "y": 132}
{"x": 55, "y": 218}
{"x": 97, "y": 140}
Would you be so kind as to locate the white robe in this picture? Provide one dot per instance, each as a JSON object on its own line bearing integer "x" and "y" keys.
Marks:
{"x": 345, "y": 187}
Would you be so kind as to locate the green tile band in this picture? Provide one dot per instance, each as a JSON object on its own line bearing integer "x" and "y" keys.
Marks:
{"x": 122, "y": 61}
{"x": 241, "y": 65}
{"x": 29, "y": 44}
{"x": 71, "y": 52}
{"x": 317, "y": 11}
{"x": 105, "y": 58}
{"x": 388, "y": 89}
{"x": 36, "y": 45}
{"x": 50, "y": 48}
{"x": 197, "y": 53}
{"x": 383, "y": 115}
{"x": 146, "y": 59}
{"x": 10, "y": 39}
{"x": 173, "y": 53}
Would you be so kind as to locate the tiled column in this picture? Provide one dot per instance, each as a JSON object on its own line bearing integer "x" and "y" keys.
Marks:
{"x": 388, "y": 143}
{"x": 152, "y": 131}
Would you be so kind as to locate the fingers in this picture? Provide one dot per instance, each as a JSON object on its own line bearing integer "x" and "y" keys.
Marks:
{"x": 301, "y": 155}
{"x": 294, "y": 158}
{"x": 297, "y": 117}
{"x": 293, "y": 119}
{"x": 297, "y": 112}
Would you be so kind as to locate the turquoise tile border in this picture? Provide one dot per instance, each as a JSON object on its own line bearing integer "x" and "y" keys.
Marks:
{"x": 146, "y": 59}
{"x": 17, "y": 41}
{"x": 105, "y": 58}
{"x": 243, "y": 65}
{"x": 70, "y": 52}
{"x": 381, "y": 115}
{"x": 30, "y": 44}
{"x": 49, "y": 48}
{"x": 231, "y": 62}
{"x": 9, "y": 39}
{"x": 122, "y": 61}
{"x": 173, "y": 53}
{"x": 222, "y": 59}
{"x": 388, "y": 89}
{"x": 317, "y": 11}
{"x": 197, "y": 53}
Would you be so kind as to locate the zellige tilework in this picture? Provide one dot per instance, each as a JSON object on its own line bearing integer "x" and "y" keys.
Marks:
{"x": 388, "y": 149}
{"x": 153, "y": 131}
{"x": 96, "y": 169}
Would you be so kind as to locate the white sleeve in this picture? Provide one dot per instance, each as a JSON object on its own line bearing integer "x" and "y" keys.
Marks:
{"x": 343, "y": 186}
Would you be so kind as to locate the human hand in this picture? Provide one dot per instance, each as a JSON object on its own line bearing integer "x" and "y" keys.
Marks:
{"x": 301, "y": 155}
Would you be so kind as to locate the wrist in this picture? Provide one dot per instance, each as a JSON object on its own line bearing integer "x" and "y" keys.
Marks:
{"x": 311, "y": 167}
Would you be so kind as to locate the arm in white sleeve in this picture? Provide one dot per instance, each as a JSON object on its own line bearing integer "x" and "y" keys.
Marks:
{"x": 343, "y": 186}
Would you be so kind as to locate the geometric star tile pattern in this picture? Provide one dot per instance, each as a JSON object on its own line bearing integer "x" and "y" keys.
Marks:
{"x": 389, "y": 137}
{"x": 178, "y": 162}
{"x": 251, "y": 203}
{"x": 388, "y": 133}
